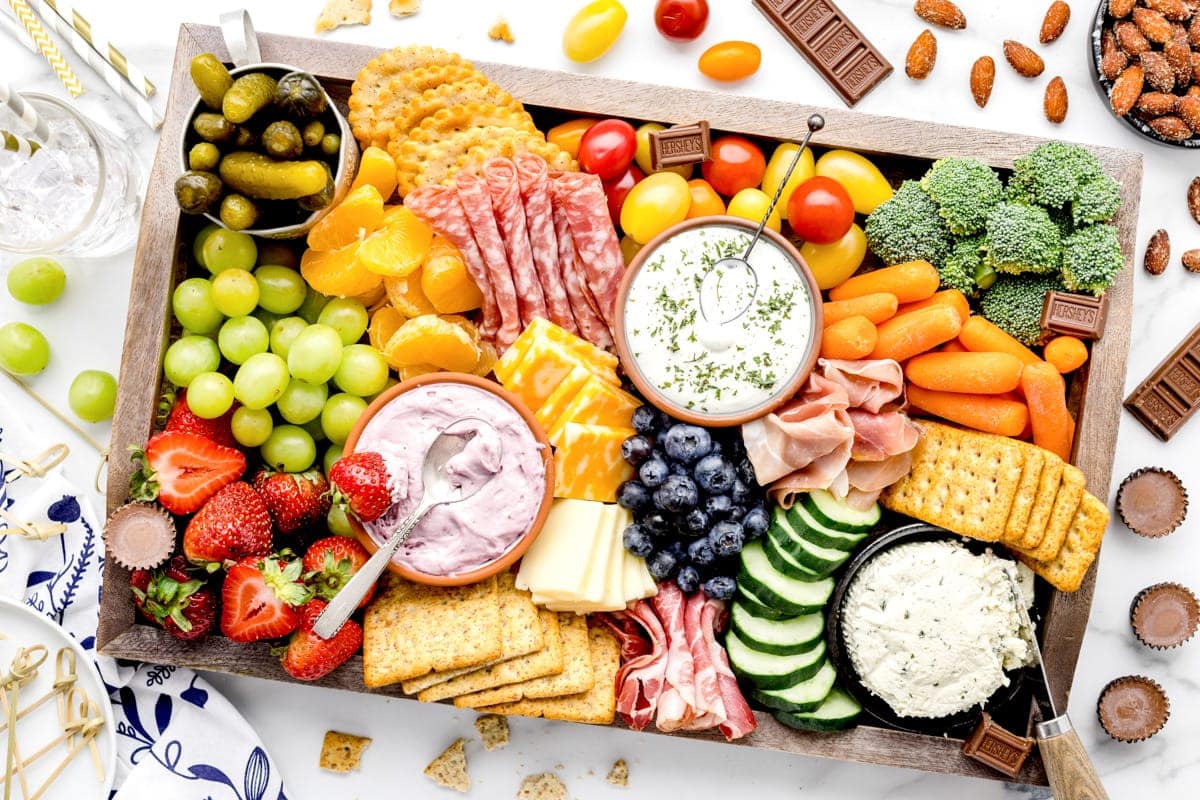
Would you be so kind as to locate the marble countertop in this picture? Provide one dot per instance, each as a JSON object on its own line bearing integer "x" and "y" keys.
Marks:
{"x": 86, "y": 328}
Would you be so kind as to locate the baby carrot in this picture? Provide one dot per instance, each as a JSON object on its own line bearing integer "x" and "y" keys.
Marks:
{"x": 1066, "y": 353}
{"x": 1046, "y": 394}
{"x": 876, "y": 307}
{"x": 971, "y": 373}
{"x": 901, "y": 338}
{"x": 851, "y": 338}
{"x": 981, "y": 336}
{"x": 982, "y": 412}
{"x": 910, "y": 282}
{"x": 953, "y": 346}
{"x": 947, "y": 297}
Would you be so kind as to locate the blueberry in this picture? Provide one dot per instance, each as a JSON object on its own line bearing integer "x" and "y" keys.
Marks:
{"x": 701, "y": 553}
{"x": 662, "y": 565}
{"x": 637, "y": 540}
{"x": 656, "y": 523}
{"x": 720, "y": 587}
{"x": 695, "y": 521}
{"x": 714, "y": 475}
{"x": 717, "y": 506}
{"x": 736, "y": 513}
{"x": 634, "y": 496}
{"x": 688, "y": 580}
{"x": 745, "y": 471}
{"x": 740, "y": 492}
{"x": 755, "y": 522}
{"x": 636, "y": 449}
{"x": 648, "y": 419}
{"x": 686, "y": 443}
{"x": 679, "y": 550}
{"x": 727, "y": 538}
{"x": 677, "y": 493}
{"x": 653, "y": 472}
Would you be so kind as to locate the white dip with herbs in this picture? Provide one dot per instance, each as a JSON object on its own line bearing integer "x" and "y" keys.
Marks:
{"x": 702, "y": 365}
{"x": 931, "y": 627}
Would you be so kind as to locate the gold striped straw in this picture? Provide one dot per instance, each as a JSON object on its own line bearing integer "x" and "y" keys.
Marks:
{"x": 47, "y": 47}
{"x": 18, "y": 144}
{"x": 102, "y": 44}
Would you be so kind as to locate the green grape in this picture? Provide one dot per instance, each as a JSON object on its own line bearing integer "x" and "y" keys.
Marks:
{"x": 260, "y": 380}
{"x": 315, "y": 354}
{"x": 92, "y": 395}
{"x": 284, "y": 333}
{"x": 289, "y": 449}
{"x": 23, "y": 349}
{"x": 267, "y": 318}
{"x": 339, "y": 415}
{"x": 188, "y": 357}
{"x": 389, "y": 383}
{"x": 363, "y": 370}
{"x": 338, "y": 523}
{"x": 314, "y": 429}
{"x": 302, "y": 402}
{"x": 210, "y": 394}
{"x": 275, "y": 252}
{"x": 235, "y": 292}
{"x": 201, "y": 238}
{"x": 242, "y": 337}
{"x": 332, "y": 454}
{"x": 347, "y": 316}
{"x": 36, "y": 281}
{"x": 310, "y": 309}
{"x": 251, "y": 426}
{"x": 280, "y": 290}
{"x": 194, "y": 307}
{"x": 224, "y": 249}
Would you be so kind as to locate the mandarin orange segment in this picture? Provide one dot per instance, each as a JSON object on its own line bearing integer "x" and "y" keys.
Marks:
{"x": 406, "y": 295}
{"x": 359, "y": 215}
{"x": 378, "y": 169}
{"x": 406, "y": 371}
{"x": 487, "y": 359}
{"x": 433, "y": 340}
{"x": 374, "y": 297}
{"x": 398, "y": 248}
{"x": 465, "y": 324}
{"x": 384, "y": 324}
{"x": 445, "y": 280}
{"x": 337, "y": 272}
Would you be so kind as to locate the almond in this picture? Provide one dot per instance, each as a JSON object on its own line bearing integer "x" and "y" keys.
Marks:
{"x": 1159, "y": 75}
{"x": 921, "y": 56}
{"x": 1120, "y": 8}
{"x": 1194, "y": 32}
{"x": 1171, "y": 9}
{"x": 1112, "y": 58}
{"x": 1126, "y": 90}
{"x": 1193, "y": 91}
{"x": 1179, "y": 55}
{"x": 1055, "y": 21}
{"x": 1188, "y": 108}
{"x": 1026, "y": 62}
{"x": 983, "y": 75}
{"x": 1191, "y": 260}
{"x": 1193, "y": 199}
{"x": 1158, "y": 253}
{"x": 1153, "y": 25}
{"x": 1055, "y": 101}
{"x": 942, "y": 13}
{"x": 1155, "y": 104}
{"x": 1171, "y": 127}
{"x": 1130, "y": 38}
{"x": 1195, "y": 67}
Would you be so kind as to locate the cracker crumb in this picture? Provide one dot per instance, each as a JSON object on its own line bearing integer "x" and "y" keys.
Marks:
{"x": 337, "y": 13}
{"x": 342, "y": 752}
{"x": 450, "y": 768}
{"x": 404, "y": 8}
{"x": 493, "y": 730}
{"x": 500, "y": 32}
{"x": 543, "y": 786}
{"x": 619, "y": 774}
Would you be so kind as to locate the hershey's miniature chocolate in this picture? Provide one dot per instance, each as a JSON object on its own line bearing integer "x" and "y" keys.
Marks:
{"x": 1169, "y": 395}
{"x": 1081, "y": 315}
{"x": 680, "y": 144}
{"x": 996, "y": 747}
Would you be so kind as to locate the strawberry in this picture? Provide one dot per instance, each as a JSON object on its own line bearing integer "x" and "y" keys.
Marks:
{"x": 361, "y": 485}
{"x": 183, "y": 470}
{"x": 181, "y": 418}
{"x": 171, "y": 598}
{"x": 295, "y": 499}
{"x": 309, "y": 657}
{"x": 260, "y": 598}
{"x": 330, "y": 562}
{"x": 234, "y": 524}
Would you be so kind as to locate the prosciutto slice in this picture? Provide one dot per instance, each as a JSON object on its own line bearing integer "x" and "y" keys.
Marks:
{"x": 641, "y": 678}
{"x": 500, "y": 175}
{"x": 869, "y": 385}
{"x": 738, "y": 717}
{"x": 582, "y": 200}
{"x": 477, "y": 203}
{"x": 677, "y": 704}
{"x": 532, "y": 178}
{"x": 812, "y": 432}
{"x": 591, "y": 326}
{"x": 699, "y": 619}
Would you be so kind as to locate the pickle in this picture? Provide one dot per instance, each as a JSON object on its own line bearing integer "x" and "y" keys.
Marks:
{"x": 213, "y": 127}
{"x": 300, "y": 95}
{"x": 257, "y": 176}
{"x": 315, "y": 202}
{"x": 204, "y": 156}
{"x": 197, "y": 192}
{"x": 248, "y": 94}
{"x": 211, "y": 78}
{"x": 243, "y": 139}
{"x": 331, "y": 143}
{"x": 238, "y": 212}
{"x": 314, "y": 132}
{"x": 282, "y": 140}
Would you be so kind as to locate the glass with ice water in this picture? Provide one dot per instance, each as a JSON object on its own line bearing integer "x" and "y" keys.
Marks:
{"x": 78, "y": 193}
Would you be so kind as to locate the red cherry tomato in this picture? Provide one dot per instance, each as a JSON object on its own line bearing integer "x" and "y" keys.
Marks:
{"x": 820, "y": 210}
{"x": 607, "y": 148}
{"x": 736, "y": 164}
{"x": 616, "y": 190}
{"x": 682, "y": 20}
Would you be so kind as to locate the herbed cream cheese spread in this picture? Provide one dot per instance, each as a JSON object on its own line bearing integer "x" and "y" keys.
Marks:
{"x": 931, "y": 627}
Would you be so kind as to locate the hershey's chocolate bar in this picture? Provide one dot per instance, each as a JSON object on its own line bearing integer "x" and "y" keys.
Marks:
{"x": 996, "y": 747}
{"x": 1170, "y": 395}
{"x": 680, "y": 144}
{"x": 1081, "y": 315}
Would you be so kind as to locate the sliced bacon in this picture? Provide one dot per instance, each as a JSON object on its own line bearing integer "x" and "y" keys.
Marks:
{"x": 677, "y": 703}
{"x": 591, "y": 326}
{"x": 581, "y": 197}
{"x": 640, "y": 679}
{"x": 534, "y": 183}
{"x": 699, "y": 618}
{"x": 500, "y": 175}
{"x": 477, "y": 203}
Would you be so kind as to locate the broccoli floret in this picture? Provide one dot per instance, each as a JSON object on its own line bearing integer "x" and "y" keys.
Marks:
{"x": 965, "y": 191}
{"x": 961, "y": 267}
{"x": 1051, "y": 174}
{"x": 1096, "y": 200}
{"x": 1014, "y": 303}
{"x": 1022, "y": 238}
{"x": 907, "y": 228}
{"x": 1091, "y": 259}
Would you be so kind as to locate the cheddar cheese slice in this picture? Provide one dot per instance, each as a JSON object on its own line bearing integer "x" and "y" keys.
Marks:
{"x": 596, "y": 402}
{"x": 600, "y": 361}
{"x": 588, "y": 463}
{"x": 562, "y": 396}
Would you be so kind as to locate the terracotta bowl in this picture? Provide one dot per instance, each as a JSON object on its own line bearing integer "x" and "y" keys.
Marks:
{"x": 518, "y": 548}
{"x": 786, "y": 391}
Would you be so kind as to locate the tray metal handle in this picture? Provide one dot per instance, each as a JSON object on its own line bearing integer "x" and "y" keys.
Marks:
{"x": 240, "y": 38}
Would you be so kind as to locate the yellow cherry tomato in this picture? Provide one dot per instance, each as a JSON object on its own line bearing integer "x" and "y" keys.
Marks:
{"x": 629, "y": 249}
{"x": 730, "y": 61}
{"x": 752, "y": 204}
{"x": 705, "y": 200}
{"x": 642, "y": 156}
{"x": 862, "y": 179}
{"x": 776, "y": 168}
{"x": 654, "y": 204}
{"x": 833, "y": 263}
{"x": 593, "y": 30}
{"x": 568, "y": 135}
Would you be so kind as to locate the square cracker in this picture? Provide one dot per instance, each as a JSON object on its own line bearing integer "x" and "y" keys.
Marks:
{"x": 574, "y": 674}
{"x": 597, "y": 705}
{"x": 341, "y": 752}
{"x": 1066, "y": 571}
{"x": 410, "y": 629}
{"x": 1066, "y": 503}
{"x": 1043, "y": 503}
{"x": 1031, "y": 476}
{"x": 960, "y": 480}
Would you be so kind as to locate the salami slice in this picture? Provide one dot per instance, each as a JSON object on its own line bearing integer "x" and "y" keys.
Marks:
{"x": 440, "y": 208}
{"x": 591, "y": 326}
{"x": 539, "y": 219}
{"x": 581, "y": 197}
{"x": 477, "y": 203}
{"x": 500, "y": 175}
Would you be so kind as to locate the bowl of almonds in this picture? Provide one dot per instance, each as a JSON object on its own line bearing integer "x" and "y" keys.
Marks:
{"x": 1147, "y": 59}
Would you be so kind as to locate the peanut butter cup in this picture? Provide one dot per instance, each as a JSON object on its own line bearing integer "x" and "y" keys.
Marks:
{"x": 1152, "y": 502}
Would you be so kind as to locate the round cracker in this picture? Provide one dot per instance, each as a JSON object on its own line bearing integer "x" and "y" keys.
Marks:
{"x": 557, "y": 159}
{"x": 408, "y": 85}
{"x": 372, "y": 80}
{"x": 421, "y": 163}
{"x": 431, "y": 101}
{"x": 471, "y": 115}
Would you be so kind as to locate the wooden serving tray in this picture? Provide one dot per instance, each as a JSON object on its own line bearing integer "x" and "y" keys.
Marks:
{"x": 903, "y": 148}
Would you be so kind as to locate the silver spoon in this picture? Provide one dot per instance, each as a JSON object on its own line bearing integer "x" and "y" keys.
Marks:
{"x": 438, "y": 488}
{"x": 733, "y": 268}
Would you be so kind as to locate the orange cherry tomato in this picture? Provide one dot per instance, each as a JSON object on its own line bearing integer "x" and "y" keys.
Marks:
{"x": 736, "y": 163}
{"x": 569, "y": 134}
{"x": 730, "y": 61}
{"x": 705, "y": 200}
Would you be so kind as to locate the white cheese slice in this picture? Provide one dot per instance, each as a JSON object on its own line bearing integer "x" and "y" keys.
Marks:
{"x": 558, "y": 565}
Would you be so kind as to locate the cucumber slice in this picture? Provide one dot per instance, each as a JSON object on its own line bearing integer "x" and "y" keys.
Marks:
{"x": 770, "y": 671}
{"x": 757, "y": 607}
{"x": 802, "y": 696}
{"x": 796, "y": 556}
{"x": 837, "y": 712}
{"x": 835, "y": 513}
{"x": 810, "y": 528}
{"x": 772, "y": 588}
{"x": 779, "y": 636}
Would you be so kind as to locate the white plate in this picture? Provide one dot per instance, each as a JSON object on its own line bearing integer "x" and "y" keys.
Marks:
{"x": 22, "y": 626}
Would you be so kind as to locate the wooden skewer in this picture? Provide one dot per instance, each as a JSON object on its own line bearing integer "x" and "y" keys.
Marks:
{"x": 23, "y": 669}
{"x": 91, "y": 727}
